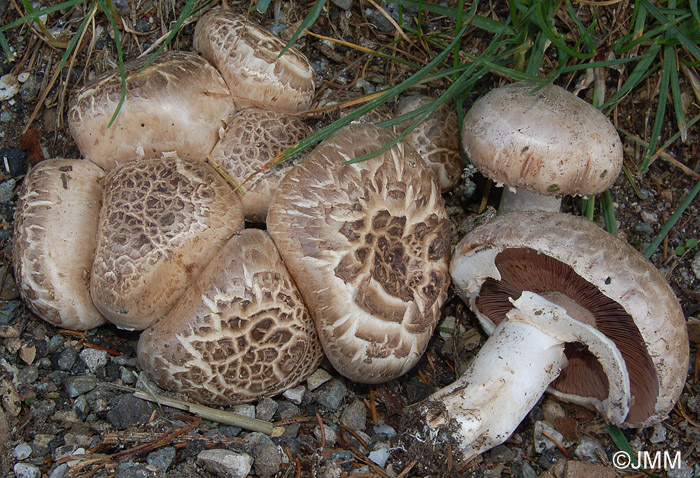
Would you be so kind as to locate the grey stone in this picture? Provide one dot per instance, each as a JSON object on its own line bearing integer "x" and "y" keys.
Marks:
{"x": 245, "y": 409}
{"x": 30, "y": 88}
{"x": 586, "y": 450}
{"x": 331, "y": 394}
{"x": 330, "y": 435}
{"x": 142, "y": 25}
{"x": 355, "y": 415}
{"x": 267, "y": 458}
{"x": 344, "y": 4}
{"x": 523, "y": 470}
{"x": 162, "y": 458}
{"x": 130, "y": 411}
{"x": 318, "y": 378}
{"x": 25, "y": 470}
{"x": 266, "y": 409}
{"x": 93, "y": 358}
{"x": 98, "y": 398}
{"x": 644, "y": 228}
{"x": 658, "y": 434}
{"x": 380, "y": 456}
{"x": 226, "y": 463}
{"x": 331, "y": 470}
{"x": 61, "y": 471}
{"x": 543, "y": 443}
{"x": 81, "y": 407}
{"x": 29, "y": 374}
{"x": 65, "y": 359}
{"x": 78, "y": 385}
{"x": 384, "y": 429}
{"x": 680, "y": 470}
{"x": 22, "y": 451}
{"x": 295, "y": 395}
{"x": 8, "y": 311}
{"x": 345, "y": 459}
{"x": 287, "y": 410}
{"x": 135, "y": 470}
{"x": 501, "y": 454}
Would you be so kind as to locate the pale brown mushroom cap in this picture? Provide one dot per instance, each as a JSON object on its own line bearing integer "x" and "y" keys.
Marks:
{"x": 549, "y": 142}
{"x": 436, "y": 139}
{"x": 161, "y": 222}
{"x": 368, "y": 246}
{"x": 240, "y": 332}
{"x": 54, "y": 241}
{"x": 602, "y": 281}
{"x": 178, "y": 104}
{"x": 247, "y": 56}
{"x": 253, "y": 138}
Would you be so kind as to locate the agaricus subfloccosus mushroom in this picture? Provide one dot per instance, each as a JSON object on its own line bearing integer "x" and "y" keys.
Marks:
{"x": 436, "y": 139}
{"x": 571, "y": 308}
{"x": 240, "y": 332}
{"x": 161, "y": 222}
{"x": 368, "y": 246}
{"x": 54, "y": 241}
{"x": 253, "y": 138}
{"x": 541, "y": 145}
{"x": 248, "y": 57}
{"x": 178, "y": 104}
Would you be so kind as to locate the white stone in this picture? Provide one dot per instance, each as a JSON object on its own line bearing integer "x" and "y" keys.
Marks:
{"x": 226, "y": 463}
{"x": 94, "y": 358}
{"x": 9, "y": 87}
{"x": 22, "y": 451}
{"x": 318, "y": 378}
{"x": 295, "y": 395}
{"x": 380, "y": 456}
{"x": 245, "y": 409}
{"x": 658, "y": 434}
{"x": 25, "y": 470}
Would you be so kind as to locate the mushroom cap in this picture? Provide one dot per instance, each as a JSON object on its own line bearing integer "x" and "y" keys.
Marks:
{"x": 239, "y": 333}
{"x": 247, "y": 56}
{"x": 54, "y": 241}
{"x": 600, "y": 280}
{"x": 178, "y": 104}
{"x": 368, "y": 246}
{"x": 253, "y": 138}
{"x": 161, "y": 222}
{"x": 436, "y": 139}
{"x": 549, "y": 142}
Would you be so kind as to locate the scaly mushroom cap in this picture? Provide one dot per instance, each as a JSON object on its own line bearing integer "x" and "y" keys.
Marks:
{"x": 600, "y": 280}
{"x": 240, "y": 332}
{"x": 54, "y": 241}
{"x": 161, "y": 222}
{"x": 178, "y": 104}
{"x": 549, "y": 142}
{"x": 368, "y": 246}
{"x": 436, "y": 139}
{"x": 251, "y": 141}
{"x": 248, "y": 58}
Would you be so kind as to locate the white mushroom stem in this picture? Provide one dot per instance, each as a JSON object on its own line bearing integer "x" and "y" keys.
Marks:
{"x": 512, "y": 371}
{"x": 520, "y": 200}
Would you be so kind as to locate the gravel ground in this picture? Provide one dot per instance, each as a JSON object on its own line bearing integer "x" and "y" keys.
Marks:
{"x": 63, "y": 393}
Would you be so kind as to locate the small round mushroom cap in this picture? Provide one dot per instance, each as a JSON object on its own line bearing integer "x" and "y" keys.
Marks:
{"x": 240, "y": 332}
{"x": 549, "y": 142}
{"x": 368, "y": 246}
{"x": 251, "y": 141}
{"x": 161, "y": 222}
{"x": 178, "y": 104}
{"x": 54, "y": 241}
{"x": 600, "y": 280}
{"x": 436, "y": 139}
{"x": 248, "y": 58}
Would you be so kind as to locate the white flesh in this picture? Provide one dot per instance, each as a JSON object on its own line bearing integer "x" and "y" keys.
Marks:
{"x": 520, "y": 200}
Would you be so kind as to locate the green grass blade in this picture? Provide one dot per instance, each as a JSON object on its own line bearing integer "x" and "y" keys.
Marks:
{"x": 669, "y": 63}
{"x": 689, "y": 44}
{"x": 621, "y": 443}
{"x": 643, "y": 69}
{"x": 606, "y": 204}
{"x": 482, "y": 23}
{"x": 9, "y": 54}
{"x": 678, "y": 101}
{"x": 656, "y": 242}
{"x": 184, "y": 14}
{"x": 600, "y": 64}
{"x": 120, "y": 55}
{"x": 309, "y": 20}
{"x": 544, "y": 22}
{"x": 262, "y": 5}
{"x": 38, "y": 13}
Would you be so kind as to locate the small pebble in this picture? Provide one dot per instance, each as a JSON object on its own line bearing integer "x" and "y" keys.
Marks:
{"x": 589, "y": 449}
{"x": 9, "y": 87}
{"x": 318, "y": 378}
{"x": 355, "y": 415}
{"x": 330, "y": 435}
{"x": 130, "y": 411}
{"x": 226, "y": 463}
{"x": 267, "y": 458}
{"x": 331, "y": 394}
{"x": 22, "y": 451}
{"x": 380, "y": 456}
{"x": 384, "y": 429}
{"x": 295, "y": 395}
{"x": 501, "y": 454}
{"x": 94, "y": 358}
{"x": 658, "y": 434}
{"x": 543, "y": 443}
{"x": 61, "y": 471}
{"x": 64, "y": 359}
{"x": 266, "y": 409}
{"x": 78, "y": 385}
{"x": 13, "y": 162}
{"x": 245, "y": 409}
{"x": 162, "y": 458}
{"x": 25, "y": 470}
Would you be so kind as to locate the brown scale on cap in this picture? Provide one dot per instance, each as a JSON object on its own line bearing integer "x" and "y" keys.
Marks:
{"x": 253, "y": 138}
{"x": 248, "y": 58}
{"x": 368, "y": 244}
{"x": 599, "y": 280}
{"x": 436, "y": 139}
{"x": 178, "y": 104}
{"x": 54, "y": 241}
{"x": 161, "y": 222}
{"x": 240, "y": 332}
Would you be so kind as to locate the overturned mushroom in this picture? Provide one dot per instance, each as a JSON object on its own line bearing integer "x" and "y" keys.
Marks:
{"x": 368, "y": 246}
{"x": 178, "y": 104}
{"x": 541, "y": 145}
{"x": 570, "y": 307}
{"x": 251, "y": 141}
{"x": 240, "y": 332}
{"x": 248, "y": 57}
{"x": 436, "y": 139}
{"x": 54, "y": 241}
{"x": 161, "y": 222}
